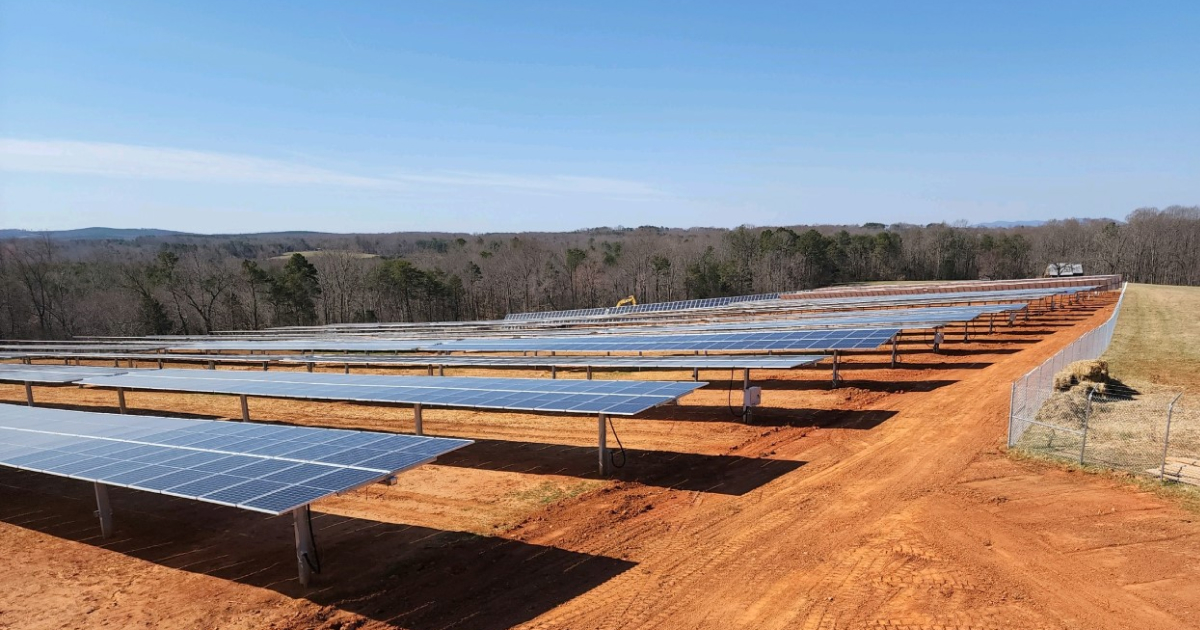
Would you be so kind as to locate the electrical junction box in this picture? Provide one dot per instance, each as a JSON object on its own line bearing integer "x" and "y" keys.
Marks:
{"x": 752, "y": 397}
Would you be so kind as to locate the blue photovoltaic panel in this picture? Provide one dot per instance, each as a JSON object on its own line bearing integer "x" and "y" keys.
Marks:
{"x": 797, "y": 340}
{"x": 80, "y": 445}
{"x": 313, "y": 345}
{"x": 910, "y": 319}
{"x": 737, "y": 361}
{"x": 640, "y": 308}
{"x": 514, "y": 394}
{"x": 50, "y": 374}
{"x": 716, "y": 362}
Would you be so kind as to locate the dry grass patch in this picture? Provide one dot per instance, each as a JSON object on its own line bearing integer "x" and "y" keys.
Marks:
{"x": 1157, "y": 339}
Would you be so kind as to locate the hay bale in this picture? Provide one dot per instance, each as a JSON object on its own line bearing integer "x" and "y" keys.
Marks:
{"x": 1094, "y": 372}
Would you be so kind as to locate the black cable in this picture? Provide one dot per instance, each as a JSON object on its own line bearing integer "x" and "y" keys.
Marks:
{"x": 729, "y": 399}
{"x": 612, "y": 458}
{"x": 312, "y": 539}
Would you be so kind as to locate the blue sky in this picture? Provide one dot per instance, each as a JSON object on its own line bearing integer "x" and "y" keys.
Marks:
{"x": 505, "y": 116}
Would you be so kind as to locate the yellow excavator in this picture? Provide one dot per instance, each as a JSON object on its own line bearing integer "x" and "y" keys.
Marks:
{"x": 628, "y": 301}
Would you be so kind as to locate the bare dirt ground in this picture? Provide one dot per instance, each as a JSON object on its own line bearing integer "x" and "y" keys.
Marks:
{"x": 884, "y": 504}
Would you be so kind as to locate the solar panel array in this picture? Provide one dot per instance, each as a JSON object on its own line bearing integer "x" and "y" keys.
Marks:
{"x": 264, "y": 468}
{"x": 797, "y": 340}
{"x": 735, "y": 361}
{"x": 313, "y": 345}
{"x": 908, "y": 318}
{"x": 651, "y": 362}
{"x": 641, "y": 308}
{"x": 50, "y": 374}
{"x": 511, "y": 394}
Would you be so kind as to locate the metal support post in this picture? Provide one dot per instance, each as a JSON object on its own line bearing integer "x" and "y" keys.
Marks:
{"x": 308, "y": 366}
{"x": 29, "y": 393}
{"x": 429, "y": 370}
{"x": 266, "y": 365}
{"x": 589, "y": 372}
{"x": 304, "y": 543}
{"x": 418, "y": 421}
{"x": 603, "y": 428}
{"x": 745, "y": 388}
{"x": 346, "y": 369}
{"x": 991, "y": 322}
{"x": 966, "y": 331}
{"x": 894, "y": 342}
{"x": 121, "y": 399}
{"x": 695, "y": 374}
{"x": 212, "y": 365}
{"x": 1087, "y": 412}
{"x": 836, "y": 377}
{"x": 553, "y": 372}
{"x": 160, "y": 365}
{"x": 1162, "y": 471}
{"x": 103, "y": 510}
{"x": 245, "y": 408}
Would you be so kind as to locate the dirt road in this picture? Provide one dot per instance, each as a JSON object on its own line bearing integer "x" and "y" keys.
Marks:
{"x": 884, "y": 504}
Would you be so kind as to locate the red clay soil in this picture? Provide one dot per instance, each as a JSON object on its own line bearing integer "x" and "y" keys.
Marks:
{"x": 887, "y": 503}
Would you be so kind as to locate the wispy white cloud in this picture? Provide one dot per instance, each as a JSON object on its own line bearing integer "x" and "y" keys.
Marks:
{"x": 125, "y": 160}
{"x": 142, "y": 162}
{"x": 544, "y": 184}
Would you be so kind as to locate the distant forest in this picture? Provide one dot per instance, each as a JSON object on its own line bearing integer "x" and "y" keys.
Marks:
{"x": 185, "y": 284}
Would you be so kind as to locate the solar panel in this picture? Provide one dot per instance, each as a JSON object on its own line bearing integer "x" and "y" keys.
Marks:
{"x": 50, "y": 374}
{"x": 716, "y": 362}
{"x": 823, "y": 339}
{"x": 640, "y": 308}
{"x": 79, "y": 347}
{"x": 312, "y": 345}
{"x": 915, "y": 318}
{"x": 764, "y": 362}
{"x": 80, "y": 445}
{"x": 511, "y": 394}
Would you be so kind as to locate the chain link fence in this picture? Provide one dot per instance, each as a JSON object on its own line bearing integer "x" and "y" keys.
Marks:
{"x": 1149, "y": 430}
{"x": 1030, "y": 392}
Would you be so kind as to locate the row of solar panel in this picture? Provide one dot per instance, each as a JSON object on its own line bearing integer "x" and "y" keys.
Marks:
{"x": 564, "y": 396}
{"x": 641, "y": 308}
{"x": 745, "y": 361}
{"x": 798, "y": 340}
{"x": 271, "y": 469}
{"x": 908, "y": 318}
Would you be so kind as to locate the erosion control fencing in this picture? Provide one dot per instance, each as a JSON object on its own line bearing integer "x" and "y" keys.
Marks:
{"x": 1032, "y": 391}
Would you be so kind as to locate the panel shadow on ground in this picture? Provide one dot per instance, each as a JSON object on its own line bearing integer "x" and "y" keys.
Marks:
{"x": 414, "y": 577}
{"x": 720, "y": 474}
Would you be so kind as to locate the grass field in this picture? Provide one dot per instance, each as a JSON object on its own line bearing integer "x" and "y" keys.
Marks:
{"x": 1157, "y": 339}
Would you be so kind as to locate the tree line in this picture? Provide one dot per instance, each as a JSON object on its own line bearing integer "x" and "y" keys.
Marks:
{"x": 198, "y": 284}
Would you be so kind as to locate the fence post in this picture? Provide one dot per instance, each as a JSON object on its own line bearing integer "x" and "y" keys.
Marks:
{"x": 1162, "y": 471}
{"x": 1012, "y": 411}
{"x": 1087, "y": 412}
